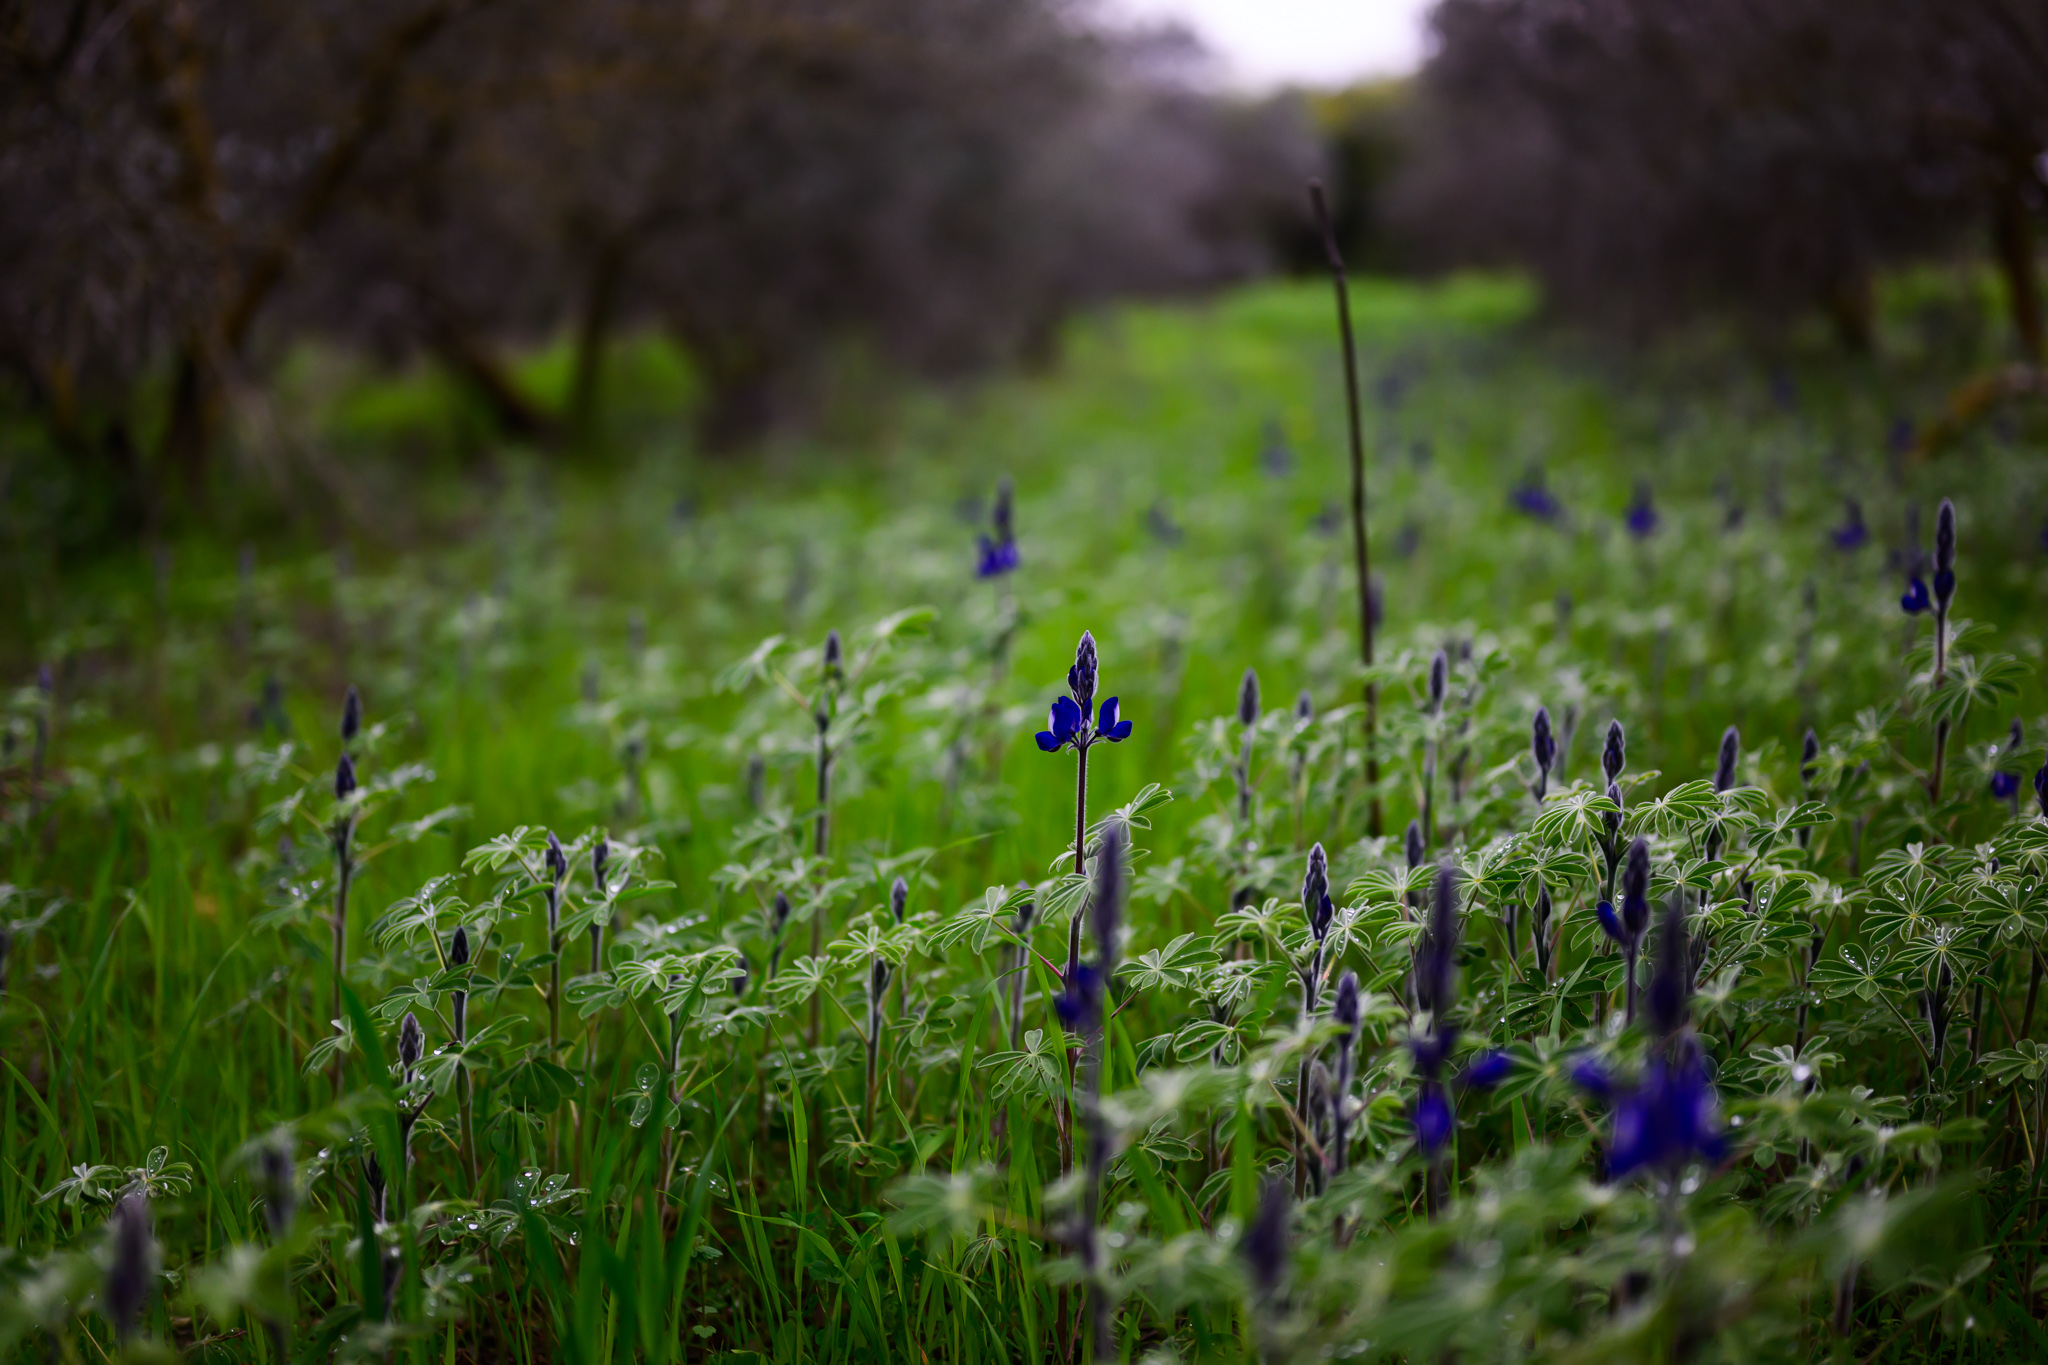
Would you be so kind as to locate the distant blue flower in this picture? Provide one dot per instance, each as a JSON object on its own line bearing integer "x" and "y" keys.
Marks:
{"x": 1852, "y": 533}
{"x": 1535, "y": 500}
{"x": 1432, "y": 1118}
{"x": 1641, "y": 517}
{"x": 994, "y": 558}
{"x": 1668, "y": 1119}
{"x": 1916, "y": 599}
{"x": 1591, "y": 1077}
{"x": 1487, "y": 1071}
{"x": 1900, "y": 438}
{"x": 1078, "y": 1004}
{"x": 1610, "y": 921}
{"x": 2005, "y": 786}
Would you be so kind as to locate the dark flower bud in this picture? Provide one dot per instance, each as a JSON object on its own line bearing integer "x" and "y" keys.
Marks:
{"x": 599, "y": 856}
{"x": 1248, "y": 699}
{"x": 1004, "y": 514}
{"x": 878, "y": 979}
{"x": 1542, "y": 748}
{"x": 1439, "y": 681}
{"x": 1944, "y": 555}
{"x": 1809, "y": 756}
{"x": 1345, "y": 1009}
{"x": 780, "y": 911}
{"x": 412, "y": 1045}
{"x": 351, "y": 714}
{"x": 2016, "y": 737}
{"x": 458, "y": 951}
{"x": 274, "y": 1171}
{"x": 1611, "y": 819}
{"x": 1439, "y": 952}
{"x": 1081, "y": 677}
{"x": 1411, "y": 844}
{"x": 1304, "y": 708}
{"x": 739, "y": 982}
{"x": 1264, "y": 1245}
{"x": 2041, "y": 789}
{"x": 344, "y": 778}
{"x": 1635, "y": 890}
{"x": 1315, "y": 882}
{"x": 835, "y": 659}
{"x": 557, "y": 861}
{"x": 1724, "y": 766}
{"x": 1108, "y": 898}
{"x": 1672, "y": 983}
{"x": 1614, "y": 754}
{"x": 131, "y": 1268}
{"x": 899, "y": 898}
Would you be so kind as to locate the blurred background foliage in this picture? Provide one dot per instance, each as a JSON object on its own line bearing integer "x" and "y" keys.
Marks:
{"x": 773, "y": 216}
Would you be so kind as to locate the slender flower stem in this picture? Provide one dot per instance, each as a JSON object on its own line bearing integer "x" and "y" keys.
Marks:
{"x": 344, "y": 873}
{"x": 1358, "y": 534}
{"x": 1081, "y": 814}
{"x": 821, "y": 840}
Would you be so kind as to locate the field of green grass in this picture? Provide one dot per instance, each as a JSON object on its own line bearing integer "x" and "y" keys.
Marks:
{"x": 727, "y": 1094}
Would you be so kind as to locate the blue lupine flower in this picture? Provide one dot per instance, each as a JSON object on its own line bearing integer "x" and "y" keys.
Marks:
{"x": 1641, "y": 517}
{"x": 1489, "y": 1070}
{"x": 1610, "y": 922}
{"x": 1593, "y": 1078}
{"x": 1077, "y": 1005}
{"x": 1852, "y": 533}
{"x": 1635, "y": 890}
{"x": 994, "y": 558}
{"x": 1532, "y": 498}
{"x": 997, "y": 555}
{"x": 2005, "y": 786}
{"x": 1672, "y": 1116}
{"x": 1916, "y": 599}
{"x": 1068, "y": 718}
{"x": 1432, "y": 1118}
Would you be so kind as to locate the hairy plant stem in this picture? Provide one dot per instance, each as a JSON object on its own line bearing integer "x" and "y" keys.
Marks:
{"x": 344, "y": 873}
{"x": 821, "y": 839}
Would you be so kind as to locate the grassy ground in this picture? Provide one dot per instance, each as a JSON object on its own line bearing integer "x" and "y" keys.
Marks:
{"x": 581, "y": 649}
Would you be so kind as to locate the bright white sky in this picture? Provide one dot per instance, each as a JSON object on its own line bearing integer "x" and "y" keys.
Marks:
{"x": 1311, "y": 42}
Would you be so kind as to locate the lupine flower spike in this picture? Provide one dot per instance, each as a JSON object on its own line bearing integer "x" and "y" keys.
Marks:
{"x": 1435, "y": 993}
{"x": 1345, "y": 1011}
{"x": 351, "y": 715}
{"x": 1248, "y": 699}
{"x": 1641, "y": 517}
{"x": 1626, "y": 926}
{"x": 131, "y": 1264}
{"x": 1672, "y": 1115}
{"x": 996, "y": 555}
{"x": 1069, "y": 725}
{"x": 1724, "y": 764}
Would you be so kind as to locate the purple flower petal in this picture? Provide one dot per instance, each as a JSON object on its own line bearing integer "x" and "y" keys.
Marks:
{"x": 1432, "y": 1119}
{"x": 1488, "y": 1071}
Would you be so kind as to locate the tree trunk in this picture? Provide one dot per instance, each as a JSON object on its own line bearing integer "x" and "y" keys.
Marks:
{"x": 2013, "y": 237}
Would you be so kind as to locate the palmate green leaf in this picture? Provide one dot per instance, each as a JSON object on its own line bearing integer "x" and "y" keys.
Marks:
{"x": 798, "y": 981}
{"x": 419, "y": 915}
{"x": 1571, "y": 818}
{"x": 649, "y": 1099}
{"x": 1862, "y": 972}
{"x": 1973, "y": 684}
{"x": 1684, "y": 805}
{"x": 1178, "y": 966}
{"x": 1908, "y": 908}
{"x": 979, "y": 924}
{"x": 412, "y": 831}
{"x": 1390, "y": 884}
{"x": 2026, "y": 1060}
{"x": 756, "y": 666}
{"x": 516, "y": 847}
{"x": 1950, "y": 945}
{"x": 1037, "y": 1069}
{"x": 1914, "y": 860}
{"x": 335, "y": 1047}
{"x": 2013, "y": 910}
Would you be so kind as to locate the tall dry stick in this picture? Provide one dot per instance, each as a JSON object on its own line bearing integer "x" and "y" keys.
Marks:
{"x": 1358, "y": 541}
